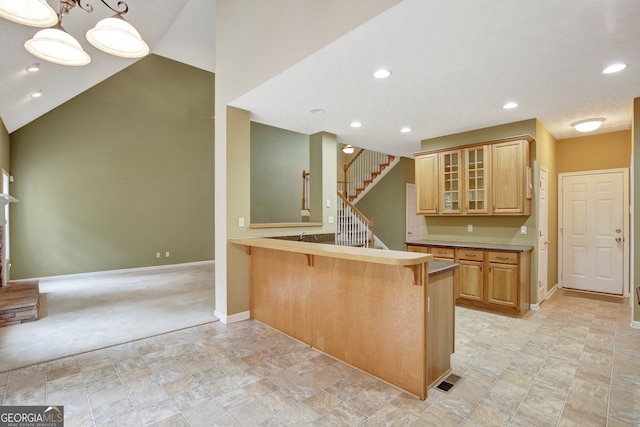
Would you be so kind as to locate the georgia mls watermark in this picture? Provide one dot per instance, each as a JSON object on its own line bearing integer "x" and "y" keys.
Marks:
{"x": 31, "y": 416}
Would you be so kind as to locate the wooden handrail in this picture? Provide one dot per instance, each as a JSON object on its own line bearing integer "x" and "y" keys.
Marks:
{"x": 305, "y": 188}
{"x": 370, "y": 223}
{"x": 353, "y": 159}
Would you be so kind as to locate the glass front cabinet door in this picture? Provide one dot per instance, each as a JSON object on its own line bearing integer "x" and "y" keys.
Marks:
{"x": 451, "y": 174}
{"x": 477, "y": 179}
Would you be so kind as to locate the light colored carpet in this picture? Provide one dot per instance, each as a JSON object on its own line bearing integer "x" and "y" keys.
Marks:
{"x": 88, "y": 312}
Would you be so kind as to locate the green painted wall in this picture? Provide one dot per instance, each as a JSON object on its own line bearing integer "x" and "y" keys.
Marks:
{"x": 4, "y": 148}
{"x": 278, "y": 157}
{"x": 386, "y": 204}
{"x": 116, "y": 174}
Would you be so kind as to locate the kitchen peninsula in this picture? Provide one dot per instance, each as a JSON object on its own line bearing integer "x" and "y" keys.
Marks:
{"x": 388, "y": 313}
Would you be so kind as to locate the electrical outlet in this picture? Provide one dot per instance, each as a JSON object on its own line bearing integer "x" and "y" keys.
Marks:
{"x": 157, "y": 254}
{"x": 470, "y": 228}
{"x": 328, "y": 203}
{"x": 330, "y": 220}
{"x": 241, "y": 222}
{"x": 523, "y": 229}
{"x": 167, "y": 254}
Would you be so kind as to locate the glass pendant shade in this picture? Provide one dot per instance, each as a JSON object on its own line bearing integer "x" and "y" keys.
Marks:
{"x": 35, "y": 13}
{"x": 57, "y": 46}
{"x": 117, "y": 37}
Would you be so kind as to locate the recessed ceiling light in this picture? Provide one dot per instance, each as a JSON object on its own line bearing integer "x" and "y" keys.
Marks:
{"x": 36, "y": 94}
{"x": 510, "y": 105}
{"x": 317, "y": 111}
{"x": 33, "y": 67}
{"x": 356, "y": 124}
{"x": 382, "y": 74}
{"x": 614, "y": 68}
{"x": 588, "y": 125}
{"x": 405, "y": 129}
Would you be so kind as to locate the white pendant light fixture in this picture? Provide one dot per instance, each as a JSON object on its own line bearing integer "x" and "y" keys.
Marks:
{"x": 57, "y": 46}
{"x": 112, "y": 35}
{"x": 117, "y": 37}
{"x": 588, "y": 125}
{"x": 34, "y": 13}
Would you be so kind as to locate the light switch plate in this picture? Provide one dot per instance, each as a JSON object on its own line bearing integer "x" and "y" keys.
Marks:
{"x": 330, "y": 220}
{"x": 523, "y": 229}
{"x": 328, "y": 203}
{"x": 470, "y": 228}
{"x": 241, "y": 222}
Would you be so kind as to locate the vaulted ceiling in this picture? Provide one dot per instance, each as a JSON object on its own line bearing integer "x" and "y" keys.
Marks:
{"x": 453, "y": 65}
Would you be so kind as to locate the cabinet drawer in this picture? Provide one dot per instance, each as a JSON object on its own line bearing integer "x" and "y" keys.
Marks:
{"x": 503, "y": 257}
{"x": 470, "y": 254}
{"x": 422, "y": 249}
{"x": 442, "y": 252}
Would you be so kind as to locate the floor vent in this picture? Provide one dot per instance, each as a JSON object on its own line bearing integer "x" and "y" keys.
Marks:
{"x": 448, "y": 383}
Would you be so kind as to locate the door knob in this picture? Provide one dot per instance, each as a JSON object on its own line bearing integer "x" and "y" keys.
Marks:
{"x": 618, "y": 239}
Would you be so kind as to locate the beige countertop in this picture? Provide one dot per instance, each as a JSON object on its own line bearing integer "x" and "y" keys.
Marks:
{"x": 379, "y": 256}
{"x": 471, "y": 245}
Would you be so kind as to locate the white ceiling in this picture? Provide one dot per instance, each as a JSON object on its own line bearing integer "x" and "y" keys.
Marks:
{"x": 454, "y": 65}
{"x": 183, "y": 30}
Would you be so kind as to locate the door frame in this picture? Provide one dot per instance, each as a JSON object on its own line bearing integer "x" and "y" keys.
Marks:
{"x": 626, "y": 209}
{"x": 410, "y": 196}
{"x": 543, "y": 297}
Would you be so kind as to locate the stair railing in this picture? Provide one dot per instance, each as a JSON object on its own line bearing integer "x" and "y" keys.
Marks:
{"x": 361, "y": 171}
{"x": 353, "y": 228}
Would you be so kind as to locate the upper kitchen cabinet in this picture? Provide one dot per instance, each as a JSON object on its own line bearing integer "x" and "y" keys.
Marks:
{"x": 427, "y": 193}
{"x": 488, "y": 178}
{"x": 511, "y": 189}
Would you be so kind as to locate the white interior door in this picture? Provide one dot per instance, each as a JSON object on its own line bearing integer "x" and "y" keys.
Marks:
{"x": 543, "y": 233}
{"x": 413, "y": 221}
{"x": 592, "y": 230}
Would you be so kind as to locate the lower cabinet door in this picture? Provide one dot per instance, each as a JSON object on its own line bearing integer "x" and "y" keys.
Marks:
{"x": 470, "y": 280}
{"x": 502, "y": 285}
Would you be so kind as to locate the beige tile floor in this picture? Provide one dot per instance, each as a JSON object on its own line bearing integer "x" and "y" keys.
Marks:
{"x": 575, "y": 362}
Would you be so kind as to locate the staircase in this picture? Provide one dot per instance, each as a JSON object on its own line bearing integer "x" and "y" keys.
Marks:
{"x": 361, "y": 173}
{"x": 366, "y": 168}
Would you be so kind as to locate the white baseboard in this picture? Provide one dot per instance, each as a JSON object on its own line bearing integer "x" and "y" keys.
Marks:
{"x": 551, "y": 292}
{"x": 534, "y": 307}
{"x": 238, "y": 317}
{"x": 127, "y": 270}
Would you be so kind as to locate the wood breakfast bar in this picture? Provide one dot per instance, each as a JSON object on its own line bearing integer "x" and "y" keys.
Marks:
{"x": 387, "y": 313}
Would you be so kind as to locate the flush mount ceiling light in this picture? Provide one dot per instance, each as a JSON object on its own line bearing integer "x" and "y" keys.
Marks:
{"x": 381, "y": 74}
{"x": 33, "y": 67}
{"x": 348, "y": 149}
{"x": 317, "y": 111}
{"x": 356, "y": 124}
{"x": 405, "y": 129}
{"x": 112, "y": 35}
{"x": 510, "y": 105}
{"x": 588, "y": 125}
{"x": 37, "y": 94}
{"x": 614, "y": 68}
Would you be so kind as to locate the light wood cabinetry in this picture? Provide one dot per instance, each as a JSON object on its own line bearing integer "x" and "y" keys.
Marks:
{"x": 489, "y": 178}
{"x": 476, "y": 179}
{"x": 487, "y": 279}
{"x": 427, "y": 192}
{"x": 470, "y": 283}
{"x": 451, "y": 182}
{"x": 510, "y": 164}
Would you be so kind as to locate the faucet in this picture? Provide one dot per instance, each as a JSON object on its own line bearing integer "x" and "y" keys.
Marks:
{"x": 301, "y": 237}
